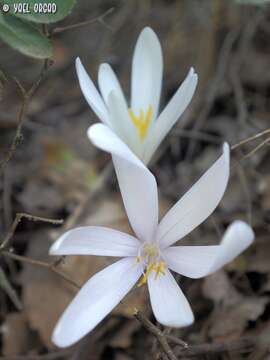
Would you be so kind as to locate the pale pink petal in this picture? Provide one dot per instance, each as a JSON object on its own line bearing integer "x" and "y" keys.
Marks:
{"x": 197, "y": 204}
{"x": 169, "y": 304}
{"x": 137, "y": 184}
{"x": 91, "y": 94}
{"x": 122, "y": 123}
{"x": 171, "y": 113}
{"x": 199, "y": 261}
{"x": 95, "y": 240}
{"x": 108, "y": 82}
{"x": 147, "y": 67}
{"x": 95, "y": 300}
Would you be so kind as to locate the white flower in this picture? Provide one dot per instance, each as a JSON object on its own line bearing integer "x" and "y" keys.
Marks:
{"x": 150, "y": 254}
{"x": 139, "y": 124}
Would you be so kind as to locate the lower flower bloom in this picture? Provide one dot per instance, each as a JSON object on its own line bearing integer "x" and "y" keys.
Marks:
{"x": 142, "y": 263}
{"x": 148, "y": 257}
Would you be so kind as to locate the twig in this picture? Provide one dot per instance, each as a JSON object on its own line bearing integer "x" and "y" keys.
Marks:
{"x": 253, "y": 137}
{"x": 157, "y": 333}
{"x": 245, "y": 344}
{"x": 252, "y": 152}
{"x": 26, "y": 97}
{"x": 99, "y": 19}
{"x": 43, "y": 264}
{"x": 176, "y": 340}
{"x": 18, "y": 218}
{"x": 7, "y": 287}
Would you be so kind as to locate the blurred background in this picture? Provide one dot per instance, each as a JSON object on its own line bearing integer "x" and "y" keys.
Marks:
{"x": 55, "y": 172}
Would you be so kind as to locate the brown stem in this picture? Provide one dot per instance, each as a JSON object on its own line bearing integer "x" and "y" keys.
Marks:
{"x": 18, "y": 218}
{"x": 26, "y": 97}
{"x": 43, "y": 264}
{"x": 256, "y": 136}
{"x": 147, "y": 324}
{"x": 82, "y": 23}
{"x": 258, "y": 147}
{"x": 243, "y": 344}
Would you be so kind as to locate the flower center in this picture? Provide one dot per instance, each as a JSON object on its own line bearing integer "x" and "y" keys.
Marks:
{"x": 142, "y": 121}
{"x": 149, "y": 255}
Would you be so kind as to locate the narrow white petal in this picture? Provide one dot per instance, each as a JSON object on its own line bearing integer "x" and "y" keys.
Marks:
{"x": 171, "y": 113}
{"x": 105, "y": 139}
{"x": 95, "y": 240}
{"x": 199, "y": 261}
{"x": 147, "y": 67}
{"x": 122, "y": 123}
{"x": 198, "y": 203}
{"x": 169, "y": 304}
{"x": 95, "y": 300}
{"x": 91, "y": 94}
{"x": 236, "y": 239}
{"x": 191, "y": 261}
{"x": 139, "y": 192}
{"x": 108, "y": 82}
{"x": 137, "y": 184}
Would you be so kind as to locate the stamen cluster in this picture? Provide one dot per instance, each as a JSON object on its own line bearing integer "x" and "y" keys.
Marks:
{"x": 150, "y": 256}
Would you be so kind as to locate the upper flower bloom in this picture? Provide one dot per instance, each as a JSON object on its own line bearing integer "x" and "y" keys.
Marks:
{"x": 138, "y": 124}
{"x": 149, "y": 254}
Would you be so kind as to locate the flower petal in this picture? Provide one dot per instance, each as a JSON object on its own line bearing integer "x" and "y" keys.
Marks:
{"x": 169, "y": 304}
{"x": 95, "y": 240}
{"x": 137, "y": 184}
{"x": 199, "y": 261}
{"x": 171, "y": 113}
{"x": 191, "y": 261}
{"x": 108, "y": 82}
{"x": 147, "y": 67}
{"x": 91, "y": 94}
{"x": 197, "y": 204}
{"x": 105, "y": 139}
{"x": 122, "y": 124}
{"x": 95, "y": 300}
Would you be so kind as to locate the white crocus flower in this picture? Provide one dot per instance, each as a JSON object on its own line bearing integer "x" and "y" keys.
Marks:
{"x": 149, "y": 255}
{"x": 138, "y": 124}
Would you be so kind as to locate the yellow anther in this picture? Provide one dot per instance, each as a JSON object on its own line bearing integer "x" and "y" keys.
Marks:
{"x": 142, "y": 281}
{"x": 149, "y": 268}
{"x": 142, "y": 121}
{"x": 159, "y": 268}
{"x": 138, "y": 259}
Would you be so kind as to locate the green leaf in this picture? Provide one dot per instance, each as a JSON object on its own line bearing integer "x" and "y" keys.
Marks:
{"x": 24, "y": 37}
{"x": 41, "y": 11}
{"x": 6, "y": 286}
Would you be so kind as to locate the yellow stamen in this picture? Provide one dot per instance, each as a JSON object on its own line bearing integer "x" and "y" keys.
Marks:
{"x": 159, "y": 268}
{"x": 142, "y": 121}
{"x": 149, "y": 268}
